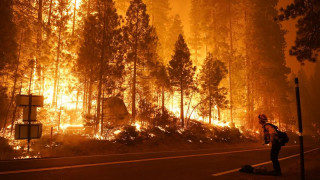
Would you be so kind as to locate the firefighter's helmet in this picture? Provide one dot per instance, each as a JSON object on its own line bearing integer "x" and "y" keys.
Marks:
{"x": 262, "y": 118}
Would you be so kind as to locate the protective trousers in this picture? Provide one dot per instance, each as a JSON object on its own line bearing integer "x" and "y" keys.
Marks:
{"x": 274, "y": 157}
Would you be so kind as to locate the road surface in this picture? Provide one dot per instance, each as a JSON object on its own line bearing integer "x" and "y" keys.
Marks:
{"x": 217, "y": 163}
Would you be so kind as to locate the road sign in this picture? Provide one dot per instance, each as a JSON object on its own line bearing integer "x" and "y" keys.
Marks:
{"x": 21, "y": 131}
{"x": 23, "y": 100}
{"x": 33, "y": 116}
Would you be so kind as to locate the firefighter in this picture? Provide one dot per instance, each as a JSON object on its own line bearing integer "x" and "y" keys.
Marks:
{"x": 271, "y": 136}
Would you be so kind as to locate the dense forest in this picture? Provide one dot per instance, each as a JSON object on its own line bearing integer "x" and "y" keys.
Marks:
{"x": 80, "y": 53}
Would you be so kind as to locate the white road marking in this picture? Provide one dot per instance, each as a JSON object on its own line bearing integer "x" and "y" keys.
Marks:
{"x": 255, "y": 165}
{"x": 128, "y": 161}
{"x": 116, "y": 154}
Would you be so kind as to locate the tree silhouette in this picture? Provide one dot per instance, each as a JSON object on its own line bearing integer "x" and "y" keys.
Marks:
{"x": 212, "y": 72}
{"x": 307, "y": 44}
{"x": 181, "y": 71}
{"x": 8, "y": 45}
{"x": 141, "y": 40}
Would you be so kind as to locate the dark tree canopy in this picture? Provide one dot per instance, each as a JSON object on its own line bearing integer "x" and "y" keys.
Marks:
{"x": 181, "y": 71}
{"x": 307, "y": 44}
{"x": 8, "y": 45}
{"x": 180, "y": 68}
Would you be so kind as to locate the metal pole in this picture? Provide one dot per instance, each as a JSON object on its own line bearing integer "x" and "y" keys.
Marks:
{"x": 300, "y": 129}
{"x": 51, "y": 137}
{"x": 59, "y": 120}
{"x": 102, "y": 104}
{"x": 29, "y": 121}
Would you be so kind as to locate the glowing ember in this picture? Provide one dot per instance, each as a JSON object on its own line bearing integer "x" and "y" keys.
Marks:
{"x": 28, "y": 157}
{"x": 221, "y": 124}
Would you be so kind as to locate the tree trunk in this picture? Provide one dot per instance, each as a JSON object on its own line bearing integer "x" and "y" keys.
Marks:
{"x": 88, "y": 10}
{"x": 102, "y": 114}
{"x": 90, "y": 97}
{"x": 181, "y": 106}
{"x": 210, "y": 108}
{"x": 54, "y": 98}
{"x": 230, "y": 64}
{"x": 39, "y": 32}
{"x": 210, "y": 98}
{"x": 74, "y": 16}
{"x": 50, "y": 12}
{"x": 135, "y": 72}
{"x": 248, "y": 84}
{"x": 188, "y": 119}
{"x": 77, "y": 101}
{"x": 84, "y": 97}
{"x": 101, "y": 69}
{"x": 39, "y": 43}
{"x": 162, "y": 97}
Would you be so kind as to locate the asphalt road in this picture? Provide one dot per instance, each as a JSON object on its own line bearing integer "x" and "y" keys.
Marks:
{"x": 217, "y": 163}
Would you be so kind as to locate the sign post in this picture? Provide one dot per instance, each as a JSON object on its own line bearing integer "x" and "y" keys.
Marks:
{"x": 29, "y": 121}
{"x": 300, "y": 129}
{"x": 22, "y": 131}
{"x": 30, "y": 104}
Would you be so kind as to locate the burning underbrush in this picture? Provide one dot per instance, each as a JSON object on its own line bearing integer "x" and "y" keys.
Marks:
{"x": 134, "y": 138}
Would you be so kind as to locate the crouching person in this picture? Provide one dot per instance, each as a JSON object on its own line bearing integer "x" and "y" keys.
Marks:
{"x": 271, "y": 136}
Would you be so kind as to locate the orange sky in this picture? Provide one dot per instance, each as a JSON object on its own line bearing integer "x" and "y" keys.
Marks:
{"x": 182, "y": 7}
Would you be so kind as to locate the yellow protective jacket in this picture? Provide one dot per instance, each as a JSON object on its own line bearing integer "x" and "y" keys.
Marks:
{"x": 270, "y": 134}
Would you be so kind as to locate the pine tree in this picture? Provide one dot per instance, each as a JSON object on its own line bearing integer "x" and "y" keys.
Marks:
{"x": 61, "y": 20}
{"x": 141, "y": 41}
{"x": 101, "y": 54}
{"x": 267, "y": 37}
{"x": 181, "y": 71}
{"x": 307, "y": 44}
{"x": 109, "y": 47}
{"x": 217, "y": 27}
{"x": 213, "y": 71}
{"x": 163, "y": 83}
{"x": 89, "y": 56}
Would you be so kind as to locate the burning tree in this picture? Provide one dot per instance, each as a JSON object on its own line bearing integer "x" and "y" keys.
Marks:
{"x": 101, "y": 52}
{"x": 163, "y": 83}
{"x": 213, "y": 71}
{"x": 181, "y": 71}
{"x": 141, "y": 42}
{"x": 84, "y": 52}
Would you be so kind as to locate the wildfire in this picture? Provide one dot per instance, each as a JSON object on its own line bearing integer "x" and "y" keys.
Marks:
{"x": 138, "y": 126}
{"x": 78, "y": 3}
{"x": 64, "y": 107}
{"x": 65, "y": 126}
{"x": 28, "y": 157}
{"x": 191, "y": 111}
{"x": 221, "y": 124}
{"x": 99, "y": 137}
{"x": 117, "y": 132}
